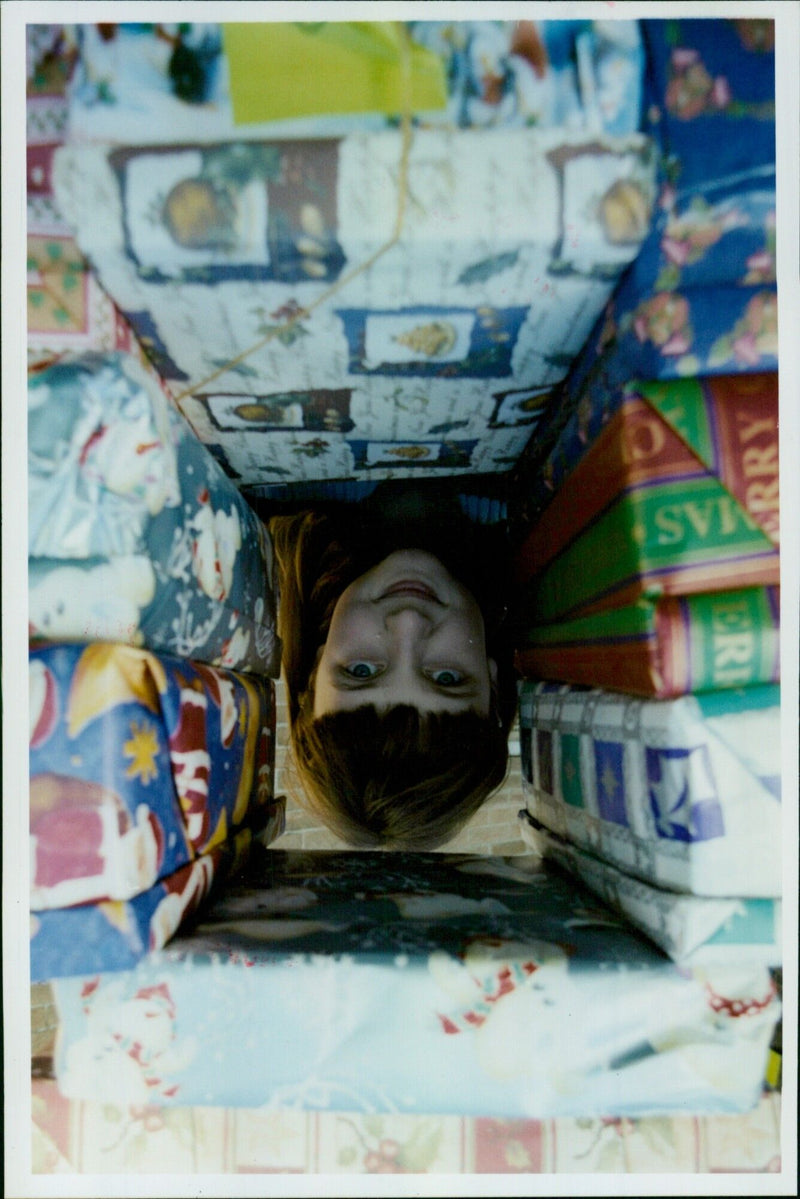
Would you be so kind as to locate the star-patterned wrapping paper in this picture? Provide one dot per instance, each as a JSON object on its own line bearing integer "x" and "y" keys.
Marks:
{"x": 689, "y": 928}
{"x": 143, "y": 770}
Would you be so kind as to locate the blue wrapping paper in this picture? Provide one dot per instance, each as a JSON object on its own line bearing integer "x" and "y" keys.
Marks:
{"x": 711, "y": 82}
{"x": 410, "y": 983}
{"x": 135, "y": 533}
{"x": 139, "y": 765}
{"x": 700, "y": 297}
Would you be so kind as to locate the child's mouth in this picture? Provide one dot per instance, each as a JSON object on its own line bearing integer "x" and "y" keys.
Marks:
{"x": 412, "y": 588}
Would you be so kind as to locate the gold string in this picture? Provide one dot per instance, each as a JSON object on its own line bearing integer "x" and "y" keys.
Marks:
{"x": 402, "y": 189}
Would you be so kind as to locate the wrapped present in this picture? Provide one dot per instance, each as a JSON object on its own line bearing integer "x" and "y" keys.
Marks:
{"x": 416, "y": 983}
{"x": 690, "y": 928}
{"x": 662, "y": 647}
{"x": 700, "y": 297}
{"x": 681, "y": 486}
{"x": 68, "y": 311}
{"x": 114, "y": 934}
{"x": 330, "y": 309}
{"x": 599, "y": 383}
{"x": 134, "y": 83}
{"x": 712, "y": 82}
{"x": 138, "y": 766}
{"x": 683, "y": 794}
{"x": 135, "y": 534}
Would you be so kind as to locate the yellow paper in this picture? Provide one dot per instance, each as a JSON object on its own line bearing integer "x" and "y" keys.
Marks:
{"x": 280, "y": 70}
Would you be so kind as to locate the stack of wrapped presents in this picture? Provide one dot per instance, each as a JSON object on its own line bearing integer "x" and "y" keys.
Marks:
{"x": 494, "y": 250}
{"x": 648, "y": 548}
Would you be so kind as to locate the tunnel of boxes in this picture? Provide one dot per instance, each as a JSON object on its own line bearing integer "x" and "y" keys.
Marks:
{"x": 513, "y": 263}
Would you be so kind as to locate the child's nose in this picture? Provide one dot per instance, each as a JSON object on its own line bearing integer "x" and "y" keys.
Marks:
{"x": 409, "y": 622}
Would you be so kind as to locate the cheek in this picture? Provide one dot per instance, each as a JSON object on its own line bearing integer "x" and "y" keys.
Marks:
{"x": 352, "y": 625}
{"x": 468, "y": 629}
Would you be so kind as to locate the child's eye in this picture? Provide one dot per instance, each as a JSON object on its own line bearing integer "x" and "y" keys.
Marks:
{"x": 361, "y": 670}
{"x": 447, "y": 678}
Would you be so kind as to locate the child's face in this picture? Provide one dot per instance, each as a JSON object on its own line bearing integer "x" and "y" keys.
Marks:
{"x": 406, "y": 632}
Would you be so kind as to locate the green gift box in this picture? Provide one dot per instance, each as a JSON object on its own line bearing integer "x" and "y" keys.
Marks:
{"x": 677, "y": 496}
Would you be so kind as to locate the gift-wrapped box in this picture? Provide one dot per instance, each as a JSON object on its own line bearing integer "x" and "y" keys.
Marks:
{"x": 67, "y": 310}
{"x": 690, "y": 928}
{"x": 683, "y": 793}
{"x": 662, "y": 647}
{"x": 677, "y": 495}
{"x": 138, "y": 766}
{"x": 700, "y": 297}
{"x": 416, "y": 983}
{"x": 645, "y": 335}
{"x": 331, "y": 308}
{"x": 114, "y": 934}
{"x": 712, "y": 81}
{"x": 135, "y": 533}
{"x": 133, "y": 83}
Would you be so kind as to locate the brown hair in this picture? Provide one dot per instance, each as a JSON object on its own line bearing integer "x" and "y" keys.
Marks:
{"x": 397, "y": 778}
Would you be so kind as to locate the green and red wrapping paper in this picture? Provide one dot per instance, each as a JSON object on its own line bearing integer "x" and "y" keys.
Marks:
{"x": 664, "y": 647}
{"x": 656, "y": 566}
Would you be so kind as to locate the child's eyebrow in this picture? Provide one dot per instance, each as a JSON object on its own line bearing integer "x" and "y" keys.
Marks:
{"x": 469, "y": 689}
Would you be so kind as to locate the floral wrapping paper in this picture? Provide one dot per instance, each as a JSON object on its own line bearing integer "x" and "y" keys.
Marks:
{"x": 700, "y": 298}
{"x": 303, "y": 341}
{"x": 690, "y": 928}
{"x": 682, "y": 481}
{"x": 135, "y": 534}
{"x": 683, "y": 794}
{"x": 416, "y": 983}
{"x": 138, "y": 765}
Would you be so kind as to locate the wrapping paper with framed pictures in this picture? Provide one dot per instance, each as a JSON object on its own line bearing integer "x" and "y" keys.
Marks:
{"x": 683, "y": 794}
{"x": 305, "y": 338}
{"x": 135, "y": 534}
{"x": 352, "y": 972}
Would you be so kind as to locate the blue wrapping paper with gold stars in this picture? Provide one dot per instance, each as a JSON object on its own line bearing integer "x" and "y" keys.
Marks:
{"x": 144, "y": 770}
